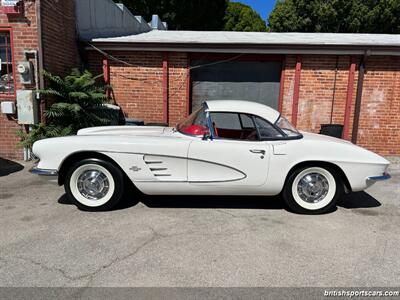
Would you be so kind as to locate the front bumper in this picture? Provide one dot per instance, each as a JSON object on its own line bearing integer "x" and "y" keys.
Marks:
{"x": 384, "y": 176}
{"x": 46, "y": 174}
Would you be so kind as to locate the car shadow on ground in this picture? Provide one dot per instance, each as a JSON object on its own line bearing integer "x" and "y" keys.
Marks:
{"x": 231, "y": 202}
{"x": 358, "y": 200}
{"x": 8, "y": 167}
{"x": 349, "y": 201}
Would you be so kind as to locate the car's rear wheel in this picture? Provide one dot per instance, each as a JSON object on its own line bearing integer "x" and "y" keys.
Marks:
{"x": 94, "y": 184}
{"x": 312, "y": 190}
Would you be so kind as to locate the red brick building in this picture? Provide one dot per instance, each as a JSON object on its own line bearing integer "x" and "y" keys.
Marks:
{"x": 160, "y": 76}
{"x": 312, "y": 78}
{"x": 43, "y": 33}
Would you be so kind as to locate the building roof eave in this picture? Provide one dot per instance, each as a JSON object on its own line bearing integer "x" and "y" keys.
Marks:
{"x": 248, "y": 48}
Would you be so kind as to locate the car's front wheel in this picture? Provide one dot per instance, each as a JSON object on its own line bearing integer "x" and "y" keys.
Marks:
{"x": 312, "y": 190}
{"x": 94, "y": 184}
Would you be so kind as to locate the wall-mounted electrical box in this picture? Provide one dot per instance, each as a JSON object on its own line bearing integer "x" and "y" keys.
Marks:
{"x": 8, "y": 107}
{"x": 27, "y": 107}
{"x": 25, "y": 70}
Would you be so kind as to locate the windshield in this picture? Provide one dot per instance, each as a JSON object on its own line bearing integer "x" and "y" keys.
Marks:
{"x": 195, "y": 124}
{"x": 287, "y": 127}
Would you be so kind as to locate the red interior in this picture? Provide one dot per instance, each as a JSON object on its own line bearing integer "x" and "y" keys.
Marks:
{"x": 195, "y": 129}
{"x": 244, "y": 134}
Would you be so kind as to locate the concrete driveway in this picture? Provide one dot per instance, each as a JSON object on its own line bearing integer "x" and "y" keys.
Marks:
{"x": 195, "y": 241}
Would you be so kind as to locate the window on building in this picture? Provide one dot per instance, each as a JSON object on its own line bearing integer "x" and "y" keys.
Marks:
{"x": 6, "y": 67}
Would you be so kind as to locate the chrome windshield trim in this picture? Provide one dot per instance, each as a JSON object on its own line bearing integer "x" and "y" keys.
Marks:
{"x": 385, "y": 176}
{"x": 43, "y": 172}
{"x": 210, "y": 125}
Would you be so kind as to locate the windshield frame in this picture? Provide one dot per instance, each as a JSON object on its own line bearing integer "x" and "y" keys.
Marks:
{"x": 193, "y": 116}
{"x": 298, "y": 135}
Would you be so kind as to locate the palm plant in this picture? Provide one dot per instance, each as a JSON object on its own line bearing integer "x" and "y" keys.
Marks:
{"x": 77, "y": 102}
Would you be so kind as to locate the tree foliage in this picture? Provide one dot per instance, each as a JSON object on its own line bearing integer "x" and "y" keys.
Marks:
{"x": 182, "y": 14}
{"x": 240, "y": 17}
{"x": 358, "y": 16}
{"x": 77, "y": 102}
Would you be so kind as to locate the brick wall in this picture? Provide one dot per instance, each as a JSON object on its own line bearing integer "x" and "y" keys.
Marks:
{"x": 138, "y": 87}
{"x": 138, "y": 90}
{"x": 318, "y": 90}
{"x": 60, "y": 50}
{"x": 379, "y": 126}
{"x": 178, "y": 69}
{"x": 24, "y": 30}
{"x": 288, "y": 86}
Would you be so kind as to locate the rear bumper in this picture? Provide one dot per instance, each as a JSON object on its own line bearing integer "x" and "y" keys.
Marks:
{"x": 46, "y": 174}
{"x": 382, "y": 177}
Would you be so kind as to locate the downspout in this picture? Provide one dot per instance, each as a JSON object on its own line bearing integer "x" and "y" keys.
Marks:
{"x": 40, "y": 58}
{"x": 334, "y": 88}
{"x": 106, "y": 75}
{"x": 165, "y": 88}
{"x": 282, "y": 85}
{"x": 349, "y": 98}
{"x": 357, "y": 109}
{"x": 188, "y": 84}
{"x": 27, "y": 151}
{"x": 296, "y": 90}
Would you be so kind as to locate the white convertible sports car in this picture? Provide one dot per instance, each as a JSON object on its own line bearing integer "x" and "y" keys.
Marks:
{"x": 223, "y": 148}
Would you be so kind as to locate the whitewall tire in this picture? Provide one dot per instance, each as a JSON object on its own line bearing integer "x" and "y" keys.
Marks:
{"x": 94, "y": 184}
{"x": 312, "y": 190}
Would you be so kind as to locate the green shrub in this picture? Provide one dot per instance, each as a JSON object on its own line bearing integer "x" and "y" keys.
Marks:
{"x": 78, "y": 102}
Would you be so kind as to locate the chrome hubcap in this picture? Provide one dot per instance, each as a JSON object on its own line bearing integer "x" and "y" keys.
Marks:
{"x": 93, "y": 184}
{"x": 313, "y": 187}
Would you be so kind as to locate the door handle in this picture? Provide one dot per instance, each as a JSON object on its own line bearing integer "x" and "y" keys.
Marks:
{"x": 257, "y": 151}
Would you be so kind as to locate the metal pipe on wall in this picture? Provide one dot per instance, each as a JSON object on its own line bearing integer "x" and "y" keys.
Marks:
{"x": 165, "y": 88}
{"x": 349, "y": 97}
{"x": 40, "y": 57}
{"x": 334, "y": 87}
{"x": 296, "y": 90}
{"x": 357, "y": 109}
{"x": 282, "y": 86}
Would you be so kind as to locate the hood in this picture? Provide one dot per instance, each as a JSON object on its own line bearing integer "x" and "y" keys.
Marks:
{"x": 127, "y": 130}
{"x": 347, "y": 148}
{"x": 322, "y": 137}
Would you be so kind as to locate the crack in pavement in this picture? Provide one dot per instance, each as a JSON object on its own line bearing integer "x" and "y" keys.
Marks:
{"x": 239, "y": 217}
{"x": 52, "y": 269}
{"x": 4, "y": 261}
{"x": 91, "y": 274}
{"x": 155, "y": 235}
{"x": 248, "y": 218}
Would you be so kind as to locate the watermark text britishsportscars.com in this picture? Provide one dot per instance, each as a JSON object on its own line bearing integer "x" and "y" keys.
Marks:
{"x": 361, "y": 293}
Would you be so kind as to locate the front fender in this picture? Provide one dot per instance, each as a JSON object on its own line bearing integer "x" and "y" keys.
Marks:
{"x": 356, "y": 163}
{"x": 53, "y": 151}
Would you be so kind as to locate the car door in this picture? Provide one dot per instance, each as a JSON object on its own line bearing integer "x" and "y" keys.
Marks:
{"x": 220, "y": 161}
{"x": 235, "y": 155}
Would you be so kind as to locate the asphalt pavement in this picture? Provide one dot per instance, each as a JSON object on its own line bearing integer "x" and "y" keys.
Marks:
{"x": 195, "y": 241}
